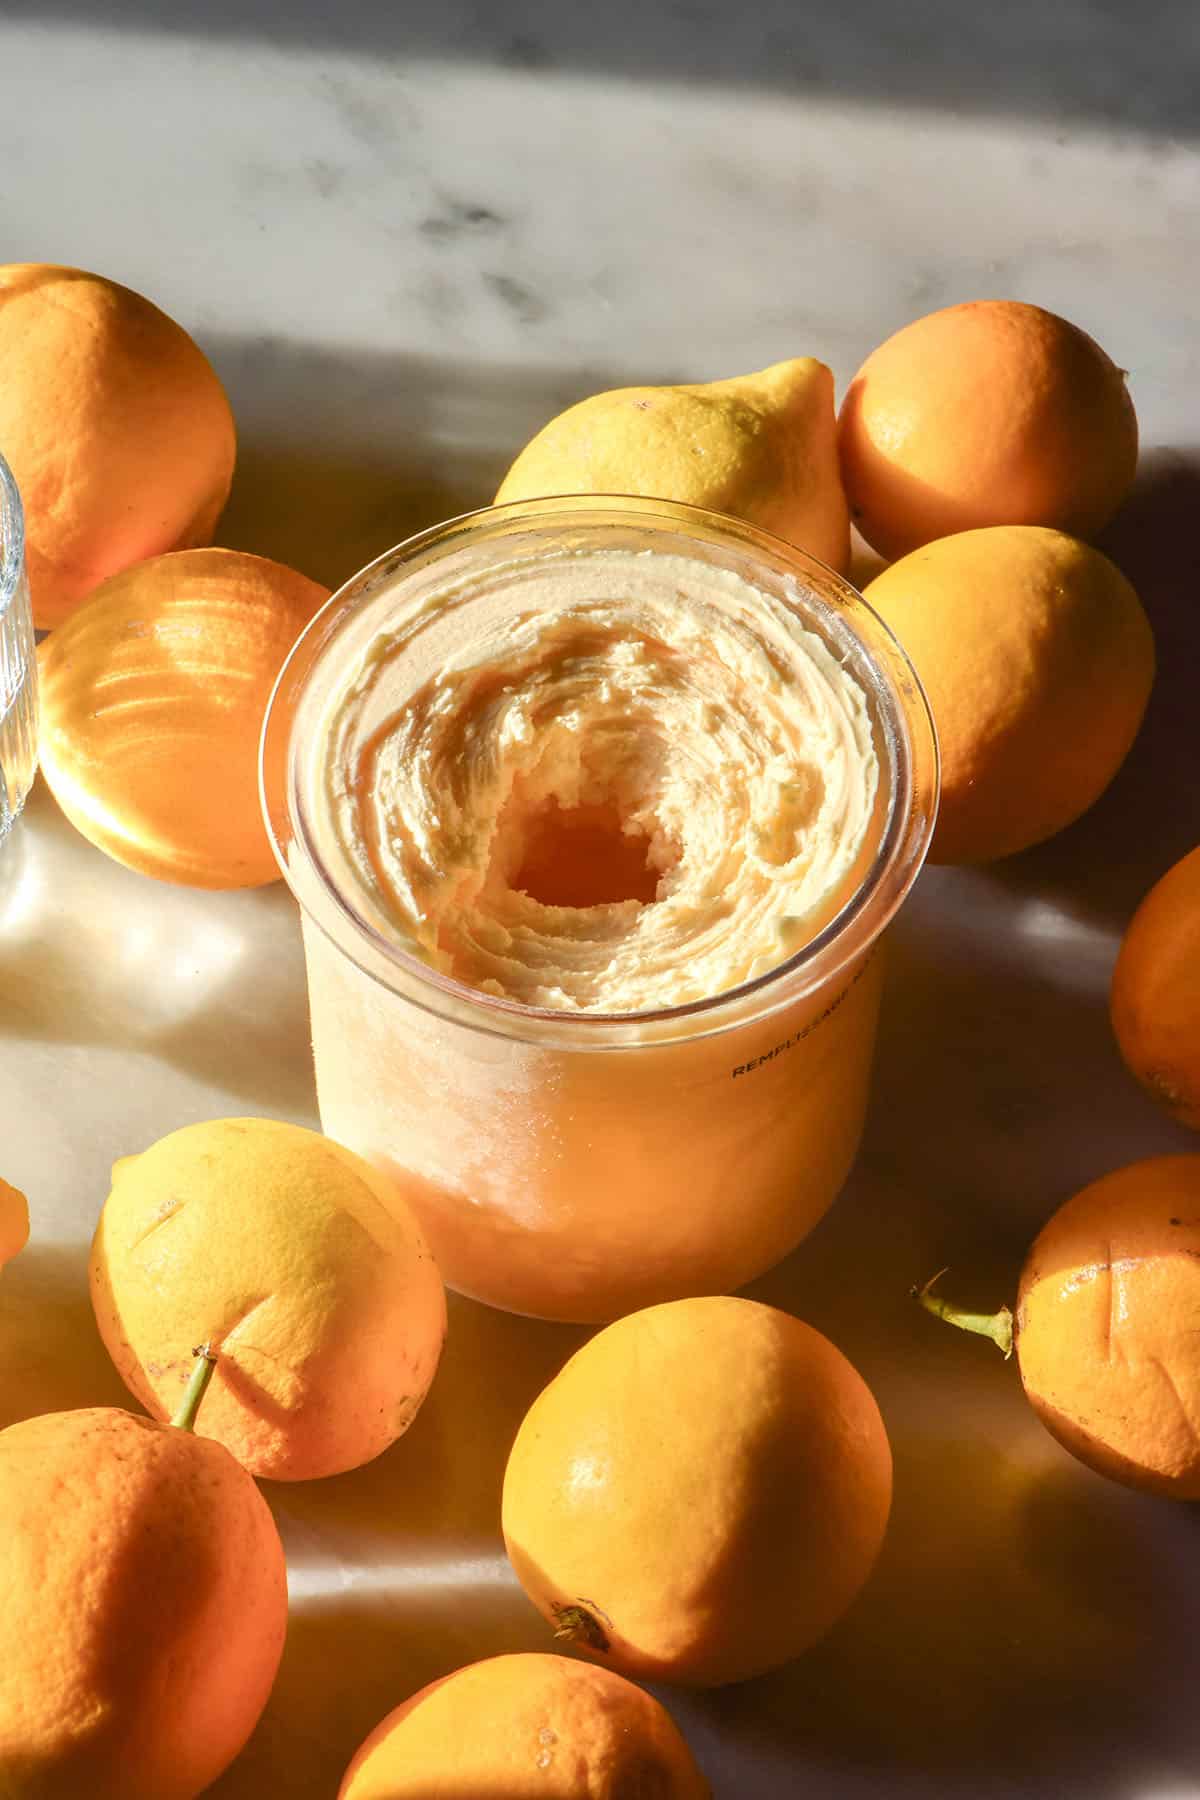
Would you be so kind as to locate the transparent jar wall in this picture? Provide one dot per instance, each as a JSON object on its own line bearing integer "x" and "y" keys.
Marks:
{"x": 570, "y": 1166}
{"x": 577, "y": 1184}
{"x": 18, "y": 660}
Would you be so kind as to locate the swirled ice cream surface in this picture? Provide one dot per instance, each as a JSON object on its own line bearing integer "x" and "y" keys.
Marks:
{"x": 641, "y": 783}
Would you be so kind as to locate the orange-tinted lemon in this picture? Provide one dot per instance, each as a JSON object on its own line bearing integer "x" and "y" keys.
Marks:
{"x": 1156, "y": 991}
{"x": 144, "y": 1608}
{"x": 1037, "y": 660}
{"x": 1107, "y": 1325}
{"x": 526, "y": 1728}
{"x": 115, "y": 425}
{"x": 993, "y": 412}
{"x": 152, "y": 701}
{"x": 700, "y": 1493}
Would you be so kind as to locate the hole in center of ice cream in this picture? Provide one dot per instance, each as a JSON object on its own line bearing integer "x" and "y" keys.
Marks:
{"x": 582, "y": 856}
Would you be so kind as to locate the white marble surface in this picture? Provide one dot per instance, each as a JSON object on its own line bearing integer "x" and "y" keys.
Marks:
{"x": 406, "y": 235}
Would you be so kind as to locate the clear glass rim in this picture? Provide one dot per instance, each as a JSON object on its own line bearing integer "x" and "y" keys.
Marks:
{"x": 899, "y": 855}
{"x": 12, "y": 537}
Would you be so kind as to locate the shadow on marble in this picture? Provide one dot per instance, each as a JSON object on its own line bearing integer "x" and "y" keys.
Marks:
{"x": 330, "y": 515}
{"x": 997, "y": 1092}
{"x": 1076, "y": 63}
{"x": 51, "y": 1355}
{"x": 999, "y": 1076}
{"x": 1006, "y": 1636}
{"x": 211, "y": 983}
{"x": 348, "y": 1660}
{"x": 345, "y": 453}
{"x": 439, "y": 1485}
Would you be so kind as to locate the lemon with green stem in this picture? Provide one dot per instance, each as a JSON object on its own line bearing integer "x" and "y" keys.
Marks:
{"x": 1104, "y": 1328}
{"x": 304, "y": 1265}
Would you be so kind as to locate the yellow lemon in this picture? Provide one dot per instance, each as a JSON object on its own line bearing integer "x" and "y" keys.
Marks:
{"x": 303, "y": 1268}
{"x": 760, "y": 447}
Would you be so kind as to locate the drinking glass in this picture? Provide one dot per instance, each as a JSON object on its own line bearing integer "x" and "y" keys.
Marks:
{"x": 18, "y": 665}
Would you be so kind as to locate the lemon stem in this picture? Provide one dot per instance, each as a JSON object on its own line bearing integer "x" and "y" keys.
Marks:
{"x": 197, "y": 1387}
{"x": 998, "y": 1325}
{"x": 576, "y": 1625}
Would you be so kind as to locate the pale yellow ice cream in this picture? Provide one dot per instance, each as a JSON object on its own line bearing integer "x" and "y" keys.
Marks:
{"x": 649, "y": 786}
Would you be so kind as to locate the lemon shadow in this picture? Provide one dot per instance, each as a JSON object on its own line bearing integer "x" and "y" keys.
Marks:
{"x": 343, "y": 454}
{"x": 154, "y": 1572}
{"x": 999, "y": 1083}
{"x": 348, "y": 1661}
{"x": 439, "y": 1485}
{"x": 991, "y": 1637}
{"x": 997, "y": 1092}
{"x": 330, "y": 515}
{"x": 51, "y": 1356}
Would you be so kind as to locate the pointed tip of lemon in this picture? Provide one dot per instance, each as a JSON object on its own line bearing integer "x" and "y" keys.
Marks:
{"x": 794, "y": 374}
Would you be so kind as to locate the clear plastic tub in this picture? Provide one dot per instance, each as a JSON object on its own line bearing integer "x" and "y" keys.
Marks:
{"x": 18, "y": 662}
{"x": 575, "y": 1165}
